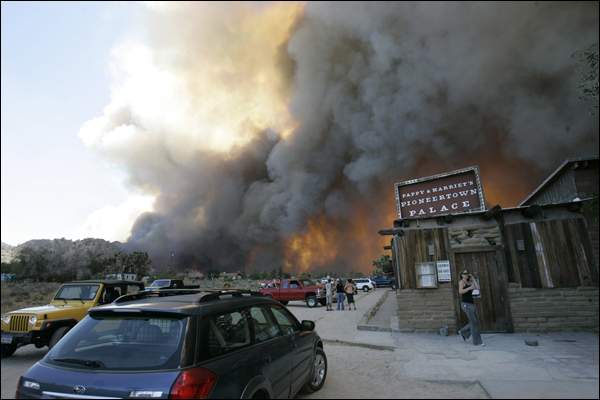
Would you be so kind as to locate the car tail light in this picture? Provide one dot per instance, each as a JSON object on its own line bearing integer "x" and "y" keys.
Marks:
{"x": 194, "y": 383}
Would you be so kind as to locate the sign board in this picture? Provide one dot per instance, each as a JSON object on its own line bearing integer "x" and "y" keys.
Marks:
{"x": 443, "y": 271}
{"x": 449, "y": 193}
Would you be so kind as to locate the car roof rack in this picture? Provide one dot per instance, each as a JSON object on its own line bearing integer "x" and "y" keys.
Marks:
{"x": 216, "y": 294}
{"x": 156, "y": 293}
{"x": 210, "y": 294}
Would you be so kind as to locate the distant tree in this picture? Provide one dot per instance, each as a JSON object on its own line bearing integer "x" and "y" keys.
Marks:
{"x": 305, "y": 275}
{"x": 34, "y": 264}
{"x": 213, "y": 274}
{"x": 138, "y": 263}
{"x": 11, "y": 267}
{"x": 96, "y": 266}
{"x": 255, "y": 276}
{"x": 383, "y": 265}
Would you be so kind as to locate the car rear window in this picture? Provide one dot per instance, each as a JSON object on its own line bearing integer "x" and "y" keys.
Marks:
{"x": 122, "y": 343}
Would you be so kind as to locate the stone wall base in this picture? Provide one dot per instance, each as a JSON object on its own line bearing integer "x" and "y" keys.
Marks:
{"x": 426, "y": 310}
{"x": 550, "y": 310}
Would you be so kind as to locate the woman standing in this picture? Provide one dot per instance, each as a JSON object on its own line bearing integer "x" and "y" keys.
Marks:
{"x": 466, "y": 285}
{"x": 339, "y": 290}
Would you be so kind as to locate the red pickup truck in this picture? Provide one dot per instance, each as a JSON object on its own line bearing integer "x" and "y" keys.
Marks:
{"x": 297, "y": 289}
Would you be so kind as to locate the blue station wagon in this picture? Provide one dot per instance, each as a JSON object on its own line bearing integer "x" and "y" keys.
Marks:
{"x": 182, "y": 344}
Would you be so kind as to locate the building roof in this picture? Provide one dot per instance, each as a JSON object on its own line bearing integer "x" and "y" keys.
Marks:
{"x": 566, "y": 164}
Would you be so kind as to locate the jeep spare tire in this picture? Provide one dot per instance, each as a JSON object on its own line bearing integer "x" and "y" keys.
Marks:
{"x": 57, "y": 335}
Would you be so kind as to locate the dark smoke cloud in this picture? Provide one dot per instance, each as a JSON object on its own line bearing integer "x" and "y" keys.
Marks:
{"x": 379, "y": 92}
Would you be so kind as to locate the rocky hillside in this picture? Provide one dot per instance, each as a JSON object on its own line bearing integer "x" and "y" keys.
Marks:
{"x": 59, "y": 259}
{"x": 8, "y": 252}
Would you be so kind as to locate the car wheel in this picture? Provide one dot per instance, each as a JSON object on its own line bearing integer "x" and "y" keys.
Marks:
{"x": 311, "y": 301}
{"x": 284, "y": 302}
{"x": 319, "y": 373}
{"x": 8, "y": 350}
{"x": 57, "y": 335}
{"x": 365, "y": 288}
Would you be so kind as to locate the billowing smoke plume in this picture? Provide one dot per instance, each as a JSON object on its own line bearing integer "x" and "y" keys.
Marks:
{"x": 271, "y": 134}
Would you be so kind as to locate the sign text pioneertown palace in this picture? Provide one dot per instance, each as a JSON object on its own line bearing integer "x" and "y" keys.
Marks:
{"x": 449, "y": 193}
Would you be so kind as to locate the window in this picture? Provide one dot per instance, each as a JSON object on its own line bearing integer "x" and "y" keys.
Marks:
{"x": 265, "y": 327}
{"x": 294, "y": 285}
{"x": 286, "y": 321}
{"x": 227, "y": 332}
{"x": 307, "y": 282}
{"x": 132, "y": 289}
{"x": 77, "y": 292}
{"x": 161, "y": 283}
{"x": 426, "y": 275}
{"x": 122, "y": 343}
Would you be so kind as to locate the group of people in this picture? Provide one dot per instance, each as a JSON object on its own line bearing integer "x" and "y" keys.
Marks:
{"x": 343, "y": 291}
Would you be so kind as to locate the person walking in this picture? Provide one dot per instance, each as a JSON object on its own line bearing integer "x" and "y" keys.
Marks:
{"x": 339, "y": 289}
{"x": 329, "y": 294}
{"x": 466, "y": 285}
{"x": 350, "y": 290}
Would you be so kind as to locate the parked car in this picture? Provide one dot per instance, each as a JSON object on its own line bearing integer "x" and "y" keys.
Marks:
{"x": 382, "y": 281}
{"x": 161, "y": 284}
{"x": 45, "y": 325}
{"x": 297, "y": 289}
{"x": 180, "y": 345}
{"x": 364, "y": 284}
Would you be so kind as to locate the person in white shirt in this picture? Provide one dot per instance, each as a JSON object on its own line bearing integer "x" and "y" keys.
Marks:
{"x": 329, "y": 294}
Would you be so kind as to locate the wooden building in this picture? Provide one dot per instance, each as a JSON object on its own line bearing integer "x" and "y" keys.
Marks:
{"x": 536, "y": 264}
{"x": 575, "y": 179}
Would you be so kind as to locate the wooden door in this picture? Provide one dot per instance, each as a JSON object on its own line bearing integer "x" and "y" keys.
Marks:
{"x": 492, "y": 309}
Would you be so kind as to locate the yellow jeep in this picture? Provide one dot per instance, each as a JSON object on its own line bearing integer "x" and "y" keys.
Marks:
{"x": 45, "y": 325}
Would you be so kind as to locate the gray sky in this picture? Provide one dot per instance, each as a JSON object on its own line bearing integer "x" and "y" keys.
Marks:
{"x": 55, "y": 76}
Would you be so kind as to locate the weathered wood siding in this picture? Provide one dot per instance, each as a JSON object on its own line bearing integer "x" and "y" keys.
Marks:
{"x": 555, "y": 253}
{"x": 413, "y": 247}
{"x": 523, "y": 256}
{"x": 590, "y": 212}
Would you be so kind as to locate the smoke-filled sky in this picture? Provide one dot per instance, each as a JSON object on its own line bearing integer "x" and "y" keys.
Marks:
{"x": 271, "y": 134}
